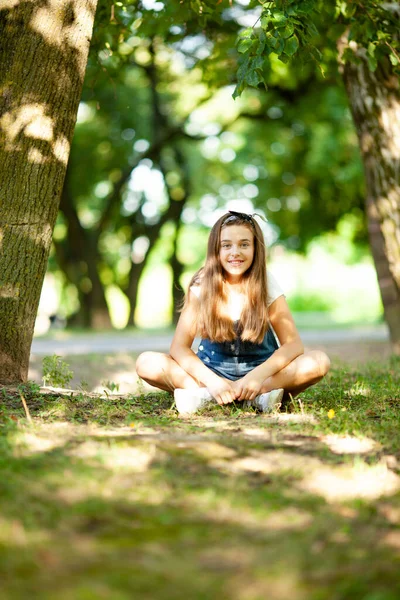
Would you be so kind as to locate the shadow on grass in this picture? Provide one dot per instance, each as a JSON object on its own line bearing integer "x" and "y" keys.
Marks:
{"x": 76, "y": 523}
{"x": 118, "y": 498}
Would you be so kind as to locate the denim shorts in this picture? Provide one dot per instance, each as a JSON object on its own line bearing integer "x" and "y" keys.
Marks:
{"x": 233, "y": 360}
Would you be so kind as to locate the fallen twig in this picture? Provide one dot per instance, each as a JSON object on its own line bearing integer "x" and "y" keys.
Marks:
{"x": 24, "y": 404}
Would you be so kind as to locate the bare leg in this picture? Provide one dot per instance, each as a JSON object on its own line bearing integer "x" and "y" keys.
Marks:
{"x": 301, "y": 373}
{"x": 162, "y": 371}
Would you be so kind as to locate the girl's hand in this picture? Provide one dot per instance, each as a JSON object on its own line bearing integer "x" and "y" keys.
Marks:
{"x": 248, "y": 387}
{"x": 222, "y": 391}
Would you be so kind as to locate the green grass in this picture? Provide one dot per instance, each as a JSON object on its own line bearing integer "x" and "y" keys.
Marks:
{"x": 120, "y": 498}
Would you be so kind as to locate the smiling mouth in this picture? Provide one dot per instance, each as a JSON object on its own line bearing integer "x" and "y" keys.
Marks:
{"x": 235, "y": 262}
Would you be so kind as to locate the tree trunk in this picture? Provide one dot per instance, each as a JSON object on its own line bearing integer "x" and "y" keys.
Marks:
{"x": 133, "y": 288}
{"x": 177, "y": 270}
{"x": 375, "y": 105}
{"x": 78, "y": 257}
{"x": 43, "y": 55}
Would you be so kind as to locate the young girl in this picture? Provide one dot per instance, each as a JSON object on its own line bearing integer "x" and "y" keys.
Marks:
{"x": 239, "y": 311}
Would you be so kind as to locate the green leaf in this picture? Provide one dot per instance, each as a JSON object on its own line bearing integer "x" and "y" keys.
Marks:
{"x": 291, "y": 45}
{"x": 253, "y": 78}
{"x": 238, "y": 90}
{"x": 279, "y": 17}
{"x": 243, "y": 68}
{"x": 265, "y": 21}
{"x": 261, "y": 49}
{"x": 315, "y": 53}
{"x": 246, "y": 33}
{"x": 279, "y": 46}
{"x": 257, "y": 62}
{"x": 393, "y": 60}
{"x": 371, "y": 48}
{"x": 244, "y": 45}
{"x": 272, "y": 41}
{"x": 370, "y": 29}
{"x": 284, "y": 58}
{"x": 287, "y": 31}
{"x": 372, "y": 62}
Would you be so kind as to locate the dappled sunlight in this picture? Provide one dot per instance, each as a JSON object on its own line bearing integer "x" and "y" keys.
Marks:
{"x": 293, "y": 418}
{"x": 208, "y": 450}
{"x": 392, "y": 539}
{"x": 30, "y": 119}
{"x": 226, "y": 557}
{"x": 233, "y": 509}
{"x": 359, "y": 389}
{"x": 122, "y": 457}
{"x": 390, "y": 513}
{"x": 34, "y": 122}
{"x": 127, "y": 381}
{"x": 189, "y": 493}
{"x": 291, "y": 518}
{"x": 274, "y": 462}
{"x": 132, "y": 430}
{"x": 28, "y": 442}
{"x": 228, "y": 424}
{"x": 12, "y": 529}
{"x": 9, "y": 290}
{"x": 281, "y": 582}
{"x": 347, "y": 482}
{"x": 56, "y": 22}
{"x": 348, "y": 444}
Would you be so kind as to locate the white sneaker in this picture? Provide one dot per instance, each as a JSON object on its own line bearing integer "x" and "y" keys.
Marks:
{"x": 266, "y": 402}
{"x": 191, "y": 400}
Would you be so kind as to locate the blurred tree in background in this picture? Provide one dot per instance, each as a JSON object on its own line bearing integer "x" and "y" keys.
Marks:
{"x": 362, "y": 36}
{"x": 160, "y": 147}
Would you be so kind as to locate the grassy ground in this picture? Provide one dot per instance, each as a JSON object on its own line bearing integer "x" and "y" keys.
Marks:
{"x": 118, "y": 497}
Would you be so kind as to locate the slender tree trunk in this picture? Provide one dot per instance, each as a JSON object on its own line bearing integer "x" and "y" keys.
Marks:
{"x": 135, "y": 273}
{"x": 177, "y": 270}
{"x": 43, "y": 55}
{"x": 133, "y": 287}
{"x": 375, "y": 104}
{"x": 79, "y": 257}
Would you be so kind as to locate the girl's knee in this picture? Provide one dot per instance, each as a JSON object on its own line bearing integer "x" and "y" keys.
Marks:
{"x": 322, "y": 362}
{"x": 143, "y": 363}
{"x": 314, "y": 365}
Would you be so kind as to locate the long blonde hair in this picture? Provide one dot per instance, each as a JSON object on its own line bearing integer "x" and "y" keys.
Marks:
{"x": 212, "y": 323}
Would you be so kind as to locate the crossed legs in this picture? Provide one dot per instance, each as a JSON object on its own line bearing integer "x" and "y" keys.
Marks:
{"x": 162, "y": 371}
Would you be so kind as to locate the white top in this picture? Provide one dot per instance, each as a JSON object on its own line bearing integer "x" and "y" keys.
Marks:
{"x": 236, "y": 299}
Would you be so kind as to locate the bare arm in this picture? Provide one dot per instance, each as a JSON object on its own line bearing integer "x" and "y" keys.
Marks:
{"x": 291, "y": 347}
{"x": 182, "y": 353}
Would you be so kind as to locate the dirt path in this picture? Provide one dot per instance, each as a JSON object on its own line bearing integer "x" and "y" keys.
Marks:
{"x": 94, "y": 371}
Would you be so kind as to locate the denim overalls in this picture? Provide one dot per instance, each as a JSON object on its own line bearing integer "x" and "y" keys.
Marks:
{"x": 235, "y": 359}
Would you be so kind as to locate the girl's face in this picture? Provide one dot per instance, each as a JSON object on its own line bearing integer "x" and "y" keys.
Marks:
{"x": 236, "y": 251}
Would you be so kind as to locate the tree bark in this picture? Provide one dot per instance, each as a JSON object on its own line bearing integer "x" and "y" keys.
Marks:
{"x": 375, "y": 105}
{"x": 43, "y": 55}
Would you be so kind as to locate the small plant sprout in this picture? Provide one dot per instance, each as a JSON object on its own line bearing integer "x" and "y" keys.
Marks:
{"x": 56, "y": 372}
{"x": 111, "y": 385}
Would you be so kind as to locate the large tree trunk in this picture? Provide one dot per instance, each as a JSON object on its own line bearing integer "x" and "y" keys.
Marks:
{"x": 43, "y": 54}
{"x": 375, "y": 104}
